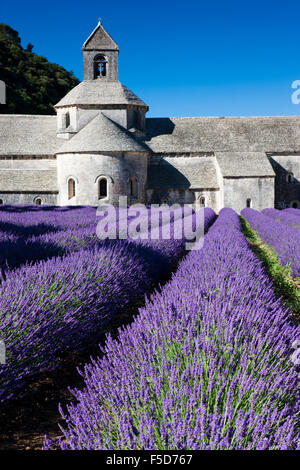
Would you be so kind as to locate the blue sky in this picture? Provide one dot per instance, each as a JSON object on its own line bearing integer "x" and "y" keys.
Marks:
{"x": 183, "y": 58}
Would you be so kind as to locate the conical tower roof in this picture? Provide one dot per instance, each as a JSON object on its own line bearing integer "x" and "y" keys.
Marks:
{"x": 97, "y": 92}
{"x": 102, "y": 134}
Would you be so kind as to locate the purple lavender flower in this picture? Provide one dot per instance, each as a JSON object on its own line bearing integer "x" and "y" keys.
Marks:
{"x": 284, "y": 239}
{"x": 65, "y": 302}
{"x": 205, "y": 365}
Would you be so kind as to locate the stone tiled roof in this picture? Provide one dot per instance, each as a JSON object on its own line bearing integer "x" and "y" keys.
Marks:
{"x": 101, "y": 134}
{"x": 183, "y": 173}
{"x": 100, "y": 39}
{"x": 244, "y": 134}
{"x": 29, "y": 180}
{"x": 27, "y": 135}
{"x": 97, "y": 92}
{"x": 244, "y": 164}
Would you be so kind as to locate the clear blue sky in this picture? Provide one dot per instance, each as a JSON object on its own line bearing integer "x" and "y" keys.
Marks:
{"x": 184, "y": 58}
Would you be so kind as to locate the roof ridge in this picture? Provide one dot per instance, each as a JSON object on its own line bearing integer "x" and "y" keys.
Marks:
{"x": 29, "y": 115}
{"x": 226, "y": 117}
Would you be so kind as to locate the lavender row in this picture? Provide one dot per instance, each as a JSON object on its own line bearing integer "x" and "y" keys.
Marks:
{"x": 39, "y": 235}
{"x": 30, "y": 233}
{"x": 64, "y": 303}
{"x": 284, "y": 217}
{"x": 205, "y": 365}
{"x": 292, "y": 211}
{"x": 36, "y": 220}
{"x": 285, "y": 240}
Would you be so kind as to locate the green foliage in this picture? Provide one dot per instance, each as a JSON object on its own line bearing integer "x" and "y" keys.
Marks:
{"x": 29, "y": 47}
{"x": 33, "y": 85}
{"x": 285, "y": 285}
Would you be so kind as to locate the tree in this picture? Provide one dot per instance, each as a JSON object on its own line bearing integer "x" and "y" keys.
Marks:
{"x": 29, "y": 47}
{"x": 33, "y": 85}
{"x": 6, "y": 32}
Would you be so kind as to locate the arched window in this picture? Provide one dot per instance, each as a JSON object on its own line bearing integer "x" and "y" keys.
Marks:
{"x": 38, "y": 201}
{"x": 100, "y": 66}
{"x": 102, "y": 188}
{"x": 248, "y": 203}
{"x": 202, "y": 201}
{"x": 295, "y": 204}
{"x": 290, "y": 177}
{"x": 133, "y": 187}
{"x": 65, "y": 120}
{"x": 1, "y": 202}
{"x": 71, "y": 188}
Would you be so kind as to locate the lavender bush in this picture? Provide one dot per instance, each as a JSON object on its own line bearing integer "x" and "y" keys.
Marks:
{"x": 284, "y": 217}
{"x": 292, "y": 211}
{"x": 64, "y": 303}
{"x": 205, "y": 365}
{"x": 33, "y": 233}
{"x": 284, "y": 239}
{"x": 30, "y": 234}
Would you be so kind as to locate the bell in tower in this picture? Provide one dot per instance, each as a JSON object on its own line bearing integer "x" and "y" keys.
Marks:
{"x": 100, "y": 92}
{"x": 100, "y": 56}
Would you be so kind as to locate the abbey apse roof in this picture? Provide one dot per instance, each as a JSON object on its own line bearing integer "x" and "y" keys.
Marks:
{"x": 102, "y": 134}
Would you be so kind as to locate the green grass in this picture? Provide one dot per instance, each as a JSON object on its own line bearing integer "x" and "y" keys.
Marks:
{"x": 285, "y": 285}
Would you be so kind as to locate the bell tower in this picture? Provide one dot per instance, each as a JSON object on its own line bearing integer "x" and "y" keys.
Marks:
{"x": 100, "y": 91}
{"x": 100, "y": 56}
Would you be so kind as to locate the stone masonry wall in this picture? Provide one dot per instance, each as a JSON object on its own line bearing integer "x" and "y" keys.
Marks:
{"x": 87, "y": 169}
{"x": 259, "y": 190}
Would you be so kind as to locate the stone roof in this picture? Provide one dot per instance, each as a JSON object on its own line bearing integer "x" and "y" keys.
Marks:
{"x": 30, "y": 180}
{"x": 244, "y": 164}
{"x": 100, "y": 39}
{"x": 235, "y": 141}
{"x": 100, "y": 92}
{"x": 102, "y": 134}
{"x": 217, "y": 134}
{"x": 183, "y": 173}
{"x": 27, "y": 135}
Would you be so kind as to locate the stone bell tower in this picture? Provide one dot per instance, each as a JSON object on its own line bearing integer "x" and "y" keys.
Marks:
{"x": 100, "y": 91}
{"x": 100, "y": 56}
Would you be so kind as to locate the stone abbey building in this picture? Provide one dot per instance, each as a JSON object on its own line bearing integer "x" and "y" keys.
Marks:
{"x": 100, "y": 145}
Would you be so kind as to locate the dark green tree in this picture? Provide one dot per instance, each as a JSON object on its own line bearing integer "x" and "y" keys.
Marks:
{"x": 29, "y": 47}
{"x": 33, "y": 85}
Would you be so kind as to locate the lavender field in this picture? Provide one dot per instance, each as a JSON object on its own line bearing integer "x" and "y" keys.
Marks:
{"x": 207, "y": 360}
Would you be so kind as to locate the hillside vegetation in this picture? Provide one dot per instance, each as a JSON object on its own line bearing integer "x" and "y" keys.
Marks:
{"x": 33, "y": 85}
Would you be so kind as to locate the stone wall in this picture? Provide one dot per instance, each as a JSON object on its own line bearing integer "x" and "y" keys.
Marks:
{"x": 87, "y": 169}
{"x": 259, "y": 190}
{"x": 184, "y": 196}
{"x": 28, "y": 198}
{"x": 26, "y": 178}
{"x": 112, "y": 65}
{"x": 287, "y": 191}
